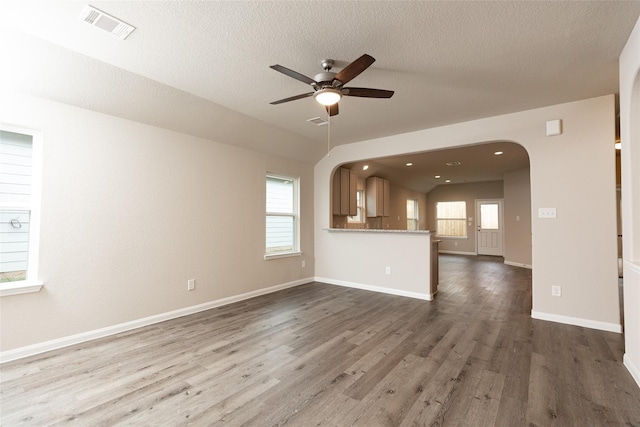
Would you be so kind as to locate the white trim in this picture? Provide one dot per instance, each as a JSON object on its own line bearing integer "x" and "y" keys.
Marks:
{"x": 34, "y": 207}
{"x": 281, "y": 255}
{"x": 42, "y": 347}
{"x": 576, "y": 321}
{"x": 633, "y": 370}
{"x": 517, "y": 264}
{"x": 372, "y": 288}
{"x": 456, "y": 252}
{"x": 452, "y": 237}
{"x": 17, "y": 288}
{"x": 632, "y": 265}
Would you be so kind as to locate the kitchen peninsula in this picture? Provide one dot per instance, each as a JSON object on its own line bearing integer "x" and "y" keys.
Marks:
{"x": 397, "y": 262}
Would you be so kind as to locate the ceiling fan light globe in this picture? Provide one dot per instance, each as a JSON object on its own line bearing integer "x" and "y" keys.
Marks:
{"x": 327, "y": 96}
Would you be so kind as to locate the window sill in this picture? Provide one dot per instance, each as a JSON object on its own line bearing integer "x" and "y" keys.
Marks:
{"x": 16, "y": 288}
{"x": 282, "y": 255}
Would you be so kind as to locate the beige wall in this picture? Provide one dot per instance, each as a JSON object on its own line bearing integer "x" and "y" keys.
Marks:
{"x": 130, "y": 212}
{"x": 630, "y": 138}
{"x": 397, "y": 219}
{"x": 456, "y": 193}
{"x": 566, "y": 171}
{"x": 517, "y": 217}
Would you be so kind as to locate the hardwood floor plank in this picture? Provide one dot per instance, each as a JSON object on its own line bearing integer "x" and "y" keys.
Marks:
{"x": 326, "y": 355}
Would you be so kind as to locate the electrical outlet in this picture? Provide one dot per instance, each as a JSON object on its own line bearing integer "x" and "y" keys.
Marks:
{"x": 556, "y": 291}
{"x": 191, "y": 284}
{"x": 387, "y": 270}
{"x": 304, "y": 263}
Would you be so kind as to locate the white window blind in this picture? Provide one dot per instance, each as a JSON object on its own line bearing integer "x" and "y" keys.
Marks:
{"x": 412, "y": 214}
{"x": 281, "y": 214}
{"x": 359, "y": 216}
{"x": 451, "y": 219}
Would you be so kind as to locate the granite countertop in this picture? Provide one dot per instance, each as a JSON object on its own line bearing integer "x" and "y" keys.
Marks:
{"x": 377, "y": 230}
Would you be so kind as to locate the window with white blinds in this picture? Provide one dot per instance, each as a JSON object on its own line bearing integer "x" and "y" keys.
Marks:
{"x": 451, "y": 219}
{"x": 19, "y": 202}
{"x": 281, "y": 215}
{"x": 412, "y": 214}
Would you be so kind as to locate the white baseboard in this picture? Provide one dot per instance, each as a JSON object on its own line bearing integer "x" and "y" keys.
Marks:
{"x": 457, "y": 253}
{"x": 42, "y": 347}
{"x": 633, "y": 369}
{"x": 518, "y": 264}
{"x": 576, "y": 321}
{"x": 418, "y": 295}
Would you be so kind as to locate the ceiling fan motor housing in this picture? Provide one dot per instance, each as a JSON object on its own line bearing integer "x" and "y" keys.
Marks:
{"x": 324, "y": 79}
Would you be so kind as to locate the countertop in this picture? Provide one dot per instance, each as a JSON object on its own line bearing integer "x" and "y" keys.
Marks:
{"x": 376, "y": 230}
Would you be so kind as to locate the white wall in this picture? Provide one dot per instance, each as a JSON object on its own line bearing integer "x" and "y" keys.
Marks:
{"x": 359, "y": 259}
{"x": 130, "y": 212}
{"x": 630, "y": 138}
{"x": 576, "y": 250}
{"x": 517, "y": 217}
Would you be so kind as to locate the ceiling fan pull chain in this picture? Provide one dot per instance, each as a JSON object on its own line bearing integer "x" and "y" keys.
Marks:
{"x": 328, "y": 133}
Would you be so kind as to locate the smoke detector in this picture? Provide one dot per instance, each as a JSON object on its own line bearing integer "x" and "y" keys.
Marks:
{"x": 104, "y": 21}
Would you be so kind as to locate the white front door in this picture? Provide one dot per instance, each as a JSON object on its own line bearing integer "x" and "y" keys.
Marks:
{"x": 490, "y": 226}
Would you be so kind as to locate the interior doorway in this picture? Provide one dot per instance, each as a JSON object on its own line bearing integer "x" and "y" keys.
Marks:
{"x": 489, "y": 217}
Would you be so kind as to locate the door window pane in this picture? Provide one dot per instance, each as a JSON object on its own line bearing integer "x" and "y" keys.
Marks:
{"x": 489, "y": 216}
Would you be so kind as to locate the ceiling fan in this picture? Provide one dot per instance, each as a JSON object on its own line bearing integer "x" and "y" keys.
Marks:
{"x": 328, "y": 87}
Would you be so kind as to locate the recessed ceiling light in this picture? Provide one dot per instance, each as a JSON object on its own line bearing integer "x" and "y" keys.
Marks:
{"x": 437, "y": 176}
{"x": 497, "y": 153}
{"x": 365, "y": 167}
{"x": 453, "y": 163}
{"x": 448, "y": 180}
{"x": 409, "y": 164}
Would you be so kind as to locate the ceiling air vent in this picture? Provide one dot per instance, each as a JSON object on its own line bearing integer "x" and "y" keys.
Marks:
{"x": 99, "y": 19}
{"x": 317, "y": 121}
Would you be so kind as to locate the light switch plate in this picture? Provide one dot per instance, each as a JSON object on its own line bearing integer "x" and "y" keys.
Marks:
{"x": 547, "y": 213}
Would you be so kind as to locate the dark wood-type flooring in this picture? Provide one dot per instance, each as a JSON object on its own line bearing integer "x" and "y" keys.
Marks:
{"x": 320, "y": 354}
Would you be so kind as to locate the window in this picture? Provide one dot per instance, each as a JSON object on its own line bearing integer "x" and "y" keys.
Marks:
{"x": 412, "y": 214}
{"x": 282, "y": 223}
{"x": 359, "y": 216}
{"x": 489, "y": 216}
{"x": 20, "y": 162}
{"x": 451, "y": 219}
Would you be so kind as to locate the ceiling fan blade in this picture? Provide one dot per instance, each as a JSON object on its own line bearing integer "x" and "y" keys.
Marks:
{"x": 292, "y": 98}
{"x": 366, "y": 92}
{"x": 294, "y": 74}
{"x": 332, "y": 109}
{"x": 349, "y": 72}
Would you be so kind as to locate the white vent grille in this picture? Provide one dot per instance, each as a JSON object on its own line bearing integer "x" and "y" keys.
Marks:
{"x": 99, "y": 19}
{"x": 317, "y": 121}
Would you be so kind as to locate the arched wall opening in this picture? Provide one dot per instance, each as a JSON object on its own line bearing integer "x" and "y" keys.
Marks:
{"x": 487, "y": 170}
{"x": 577, "y": 249}
{"x": 632, "y": 150}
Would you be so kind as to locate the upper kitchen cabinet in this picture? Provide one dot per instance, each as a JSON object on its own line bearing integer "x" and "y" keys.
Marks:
{"x": 378, "y": 199}
{"x": 345, "y": 185}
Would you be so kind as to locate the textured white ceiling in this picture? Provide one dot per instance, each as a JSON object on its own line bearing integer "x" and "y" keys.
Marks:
{"x": 190, "y": 66}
